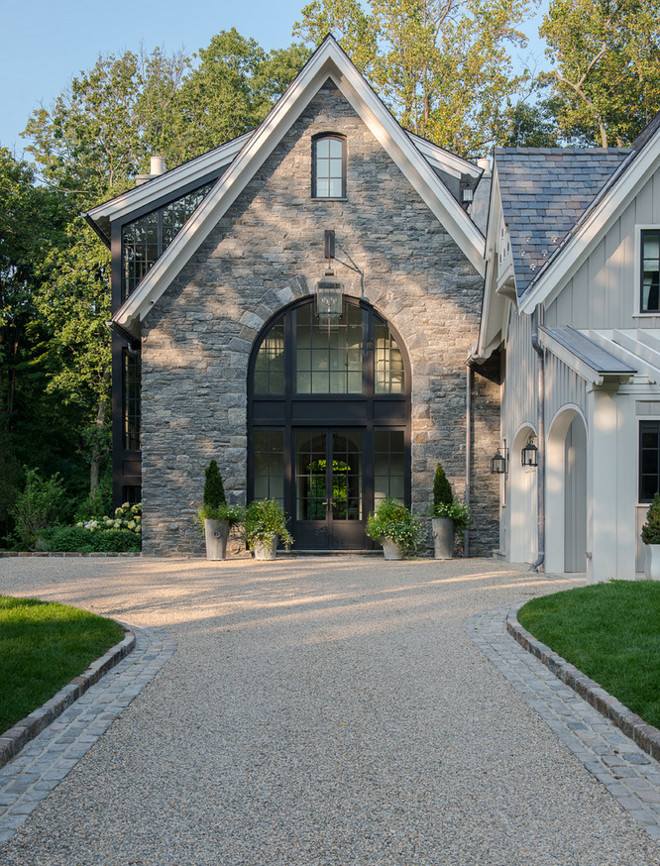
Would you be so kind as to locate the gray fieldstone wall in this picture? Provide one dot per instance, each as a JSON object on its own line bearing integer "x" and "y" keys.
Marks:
{"x": 266, "y": 252}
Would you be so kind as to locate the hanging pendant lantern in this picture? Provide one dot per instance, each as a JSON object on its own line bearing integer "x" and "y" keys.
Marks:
{"x": 329, "y": 299}
{"x": 529, "y": 454}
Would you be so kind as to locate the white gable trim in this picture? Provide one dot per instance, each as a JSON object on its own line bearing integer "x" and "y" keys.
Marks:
{"x": 329, "y": 61}
{"x": 633, "y": 174}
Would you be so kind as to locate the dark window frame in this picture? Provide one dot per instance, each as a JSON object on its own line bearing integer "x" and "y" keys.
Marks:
{"x": 654, "y": 292}
{"x": 645, "y": 478}
{"x": 316, "y": 140}
{"x": 131, "y": 400}
{"x": 142, "y": 265}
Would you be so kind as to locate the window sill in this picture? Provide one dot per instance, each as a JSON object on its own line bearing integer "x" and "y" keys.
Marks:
{"x": 329, "y": 198}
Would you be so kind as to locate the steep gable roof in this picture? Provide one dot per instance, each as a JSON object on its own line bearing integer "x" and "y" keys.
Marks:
{"x": 329, "y": 61}
{"x": 544, "y": 193}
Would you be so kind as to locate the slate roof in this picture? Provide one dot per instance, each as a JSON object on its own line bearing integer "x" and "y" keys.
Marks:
{"x": 545, "y": 191}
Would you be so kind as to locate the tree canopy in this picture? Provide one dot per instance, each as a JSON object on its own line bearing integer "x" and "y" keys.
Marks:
{"x": 605, "y": 80}
{"x": 442, "y": 66}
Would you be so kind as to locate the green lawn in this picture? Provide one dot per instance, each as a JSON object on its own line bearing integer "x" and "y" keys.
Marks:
{"x": 42, "y": 647}
{"x": 611, "y": 632}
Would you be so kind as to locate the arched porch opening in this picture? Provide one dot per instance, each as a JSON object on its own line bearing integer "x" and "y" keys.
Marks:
{"x": 566, "y": 493}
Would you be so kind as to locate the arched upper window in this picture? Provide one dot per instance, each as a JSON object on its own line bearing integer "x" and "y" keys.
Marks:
{"x": 317, "y": 359}
{"x": 329, "y": 166}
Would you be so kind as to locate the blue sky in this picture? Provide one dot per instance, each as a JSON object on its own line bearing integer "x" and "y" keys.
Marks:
{"x": 45, "y": 43}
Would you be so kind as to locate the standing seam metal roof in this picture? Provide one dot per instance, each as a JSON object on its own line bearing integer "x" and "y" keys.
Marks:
{"x": 544, "y": 193}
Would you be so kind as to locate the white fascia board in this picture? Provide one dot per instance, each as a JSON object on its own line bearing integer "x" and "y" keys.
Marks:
{"x": 592, "y": 229}
{"x": 164, "y": 184}
{"x": 454, "y": 165}
{"x": 495, "y": 307}
{"x": 328, "y": 62}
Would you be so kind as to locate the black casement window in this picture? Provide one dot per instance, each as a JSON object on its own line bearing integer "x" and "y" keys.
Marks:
{"x": 131, "y": 493}
{"x": 131, "y": 398}
{"x": 329, "y": 167}
{"x": 649, "y": 460}
{"x": 145, "y": 239}
{"x": 650, "y": 271}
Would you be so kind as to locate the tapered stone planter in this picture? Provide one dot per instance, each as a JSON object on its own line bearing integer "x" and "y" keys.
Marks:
{"x": 443, "y": 537}
{"x": 215, "y": 533}
{"x": 266, "y": 549}
{"x": 390, "y": 549}
{"x": 652, "y": 566}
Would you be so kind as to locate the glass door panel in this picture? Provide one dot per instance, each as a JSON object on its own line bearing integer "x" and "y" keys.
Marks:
{"x": 329, "y": 510}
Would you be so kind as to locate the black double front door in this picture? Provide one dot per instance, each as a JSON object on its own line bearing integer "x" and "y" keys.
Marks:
{"x": 329, "y": 489}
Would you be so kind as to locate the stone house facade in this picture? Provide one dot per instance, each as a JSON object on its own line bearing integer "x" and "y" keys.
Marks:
{"x": 219, "y": 345}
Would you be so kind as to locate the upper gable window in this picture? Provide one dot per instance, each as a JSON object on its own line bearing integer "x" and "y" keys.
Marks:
{"x": 650, "y": 271}
{"x": 329, "y": 166}
{"x": 145, "y": 239}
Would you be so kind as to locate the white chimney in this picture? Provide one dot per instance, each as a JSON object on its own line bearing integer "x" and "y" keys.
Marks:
{"x": 157, "y": 166}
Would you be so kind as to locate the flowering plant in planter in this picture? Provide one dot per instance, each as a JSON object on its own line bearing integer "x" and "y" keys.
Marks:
{"x": 263, "y": 520}
{"x": 394, "y": 521}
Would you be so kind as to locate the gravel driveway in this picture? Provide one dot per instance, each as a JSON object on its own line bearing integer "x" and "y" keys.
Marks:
{"x": 317, "y": 711}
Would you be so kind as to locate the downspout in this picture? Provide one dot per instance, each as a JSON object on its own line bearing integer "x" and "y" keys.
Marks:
{"x": 468, "y": 445}
{"x": 537, "y": 565}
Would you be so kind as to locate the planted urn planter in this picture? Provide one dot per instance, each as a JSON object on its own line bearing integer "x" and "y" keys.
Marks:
{"x": 266, "y": 548}
{"x": 216, "y": 515}
{"x": 443, "y": 537}
{"x": 216, "y": 533}
{"x": 394, "y": 527}
{"x": 391, "y": 549}
{"x": 449, "y": 517}
{"x": 651, "y": 538}
{"x": 264, "y": 524}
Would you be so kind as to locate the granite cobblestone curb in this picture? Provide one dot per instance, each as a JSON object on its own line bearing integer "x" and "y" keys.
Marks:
{"x": 646, "y": 736}
{"x": 13, "y": 740}
{"x": 6, "y": 554}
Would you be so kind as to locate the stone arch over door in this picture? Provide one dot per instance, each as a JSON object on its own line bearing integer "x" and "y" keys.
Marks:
{"x": 566, "y": 493}
{"x": 523, "y": 525}
{"x": 329, "y": 421}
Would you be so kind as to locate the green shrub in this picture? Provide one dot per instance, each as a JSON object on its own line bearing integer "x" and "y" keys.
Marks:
{"x": 41, "y": 504}
{"x": 77, "y": 539}
{"x": 442, "y": 493}
{"x": 444, "y": 504}
{"x": 393, "y": 520}
{"x": 96, "y": 504}
{"x": 651, "y": 529}
{"x": 214, "y": 491}
{"x": 127, "y": 517}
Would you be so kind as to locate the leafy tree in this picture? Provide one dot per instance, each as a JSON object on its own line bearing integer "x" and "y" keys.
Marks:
{"x": 441, "y": 65}
{"x": 532, "y": 126}
{"x": 606, "y": 58}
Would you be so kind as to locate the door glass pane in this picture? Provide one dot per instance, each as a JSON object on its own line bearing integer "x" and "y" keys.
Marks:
{"x": 347, "y": 475}
{"x": 269, "y": 465}
{"x": 389, "y": 454}
{"x": 311, "y": 465}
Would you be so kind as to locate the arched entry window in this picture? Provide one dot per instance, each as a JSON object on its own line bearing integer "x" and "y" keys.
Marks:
{"x": 329, "y": 418}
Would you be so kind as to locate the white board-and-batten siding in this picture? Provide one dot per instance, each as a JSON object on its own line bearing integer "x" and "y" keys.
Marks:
{"x": 605, "y": 290}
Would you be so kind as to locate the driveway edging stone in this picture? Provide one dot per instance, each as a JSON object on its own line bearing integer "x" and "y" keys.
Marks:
{"x": 13, "y": 740}
{"x": 646, "y": 736}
